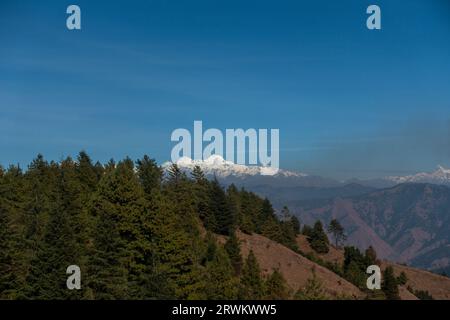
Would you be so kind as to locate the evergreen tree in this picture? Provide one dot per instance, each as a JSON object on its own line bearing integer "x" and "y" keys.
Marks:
{"x": 220, "y": 282}
{"x": 202, "y": 201}
{"x": 149, "y": 173}
{"x": 176, "y": 176}
{"x": 371, "y": 256}
{"x": 389, "y": 284}
{"x": 220, "y": 209}
{"x": 318, "y": 239}
{"x": 8, "y": 277}
{"x": 307, "y": 231}
{"x": 337, "y": 231}
{"x": 276, "y": 287}
{"x": 233, "y": 249}
{"x": 251, "y": 285}
{"x": 122, "y": 250}
{"x": 402, "y": 279}
{"x": 88, "y": 175}
{"x": 13, "y": 259}
{"x": 174, "y": 256}
{"x": 59, "y": 247}
{"x": 295, "y": 224}
{"x": 40, "y": 180}
{"x": 272, "y": 229}
{"x": 355, "y": 266}
{"x": 266, "y": 215}
{"x": 355, "y": 274}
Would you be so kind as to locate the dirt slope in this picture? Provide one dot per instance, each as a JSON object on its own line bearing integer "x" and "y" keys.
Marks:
{"x": 438, "y": 286}
{"x": 334, "y": 255}
{"x": 295, "y": 268}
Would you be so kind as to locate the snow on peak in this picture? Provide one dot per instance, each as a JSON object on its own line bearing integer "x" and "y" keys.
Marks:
{"x": 439, "y": 176}
{"x": 216, "y": 164}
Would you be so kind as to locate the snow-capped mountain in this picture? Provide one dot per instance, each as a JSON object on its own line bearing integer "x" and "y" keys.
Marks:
{"x": 217, "y": 165}
{"x": 439, "y": 176}
{"x": 248, "y": 176}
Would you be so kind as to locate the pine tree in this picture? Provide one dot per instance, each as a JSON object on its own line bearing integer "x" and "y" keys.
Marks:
{"x": 295, "y": 224}
{"x": 233, "y": 249}
{"x": 149, "y": 173}
{"x": 13, "y": 257}
{"x": 59, "y": 247}
{"x": 40, "y": 181}
{"x": 318, "y": 239}
{"x": 337, "y": 231}
{"x": 235, "y": 203}
{"x": 174, "y": 257}
{"x": 307, "y": 231}
{"x": 220, "y": 209}
{"x": 402, "y": 279}
{"x": 389, "y": 284}
{"x": 201, "y": 190}
{"x": 355, "y": 265}
{"x": 88, "y": 174}
{"x": 122, "y": 250}
{"x": 355, "y": 274}
{"x": 272, "y": 230}
{"x": 267, "y": 215}
{"x": 371, "y": 256}
{"x": 251, "y": 285}
{"x": 220, "y": 282}
{"x": 276, "y": 287}
{"x": 8, "y": 277}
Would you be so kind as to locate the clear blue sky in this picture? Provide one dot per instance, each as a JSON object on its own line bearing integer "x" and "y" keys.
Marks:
{"x": 349, "y": 102}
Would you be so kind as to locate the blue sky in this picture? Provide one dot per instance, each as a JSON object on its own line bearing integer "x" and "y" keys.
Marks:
{"x": 349, "y": 102}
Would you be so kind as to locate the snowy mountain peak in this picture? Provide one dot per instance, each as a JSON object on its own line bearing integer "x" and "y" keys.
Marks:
{"x": 217, "y": 165}
{"x": 440, "y": 176}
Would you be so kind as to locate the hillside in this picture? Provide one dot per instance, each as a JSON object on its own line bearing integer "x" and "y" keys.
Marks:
{"x": 295, "y": 268}
{"x": 408, "y": 223}
{"x": 438, "y": 286}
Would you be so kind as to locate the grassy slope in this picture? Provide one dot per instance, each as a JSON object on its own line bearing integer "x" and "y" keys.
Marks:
{"x": 438, "y": 286}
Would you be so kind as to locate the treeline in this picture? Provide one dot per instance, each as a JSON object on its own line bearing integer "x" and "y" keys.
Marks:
{"x": 135, "y": 233}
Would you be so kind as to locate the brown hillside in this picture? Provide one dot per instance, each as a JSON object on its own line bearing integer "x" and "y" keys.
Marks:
{"x": 334, "y": 255}
{"x": 295, "y": 268}
{"x": 438, "y": 286}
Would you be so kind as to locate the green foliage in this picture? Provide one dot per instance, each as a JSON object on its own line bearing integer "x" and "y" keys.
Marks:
{"x": 134, "y": 233}
{"x": 276, "y": 287}
{"x": 355, "y": 265}
{"x": 307, "y": 230}
{"x": 233, "y": 249}
{"x": 221, "y": 210}
{"x": 251, "y": 285}
{"x": 389, "y": 284}
{"x": 149, "y": 173}
{"x": 313, "y": 290}
{"x": 295, "y": 223}
{"x": 371, "y": 256}
{"x": 421, "y": 294}
{"x": 59, "y": 247}
{"x": 220, "y": 283}
{"x": 318, "y": 239}
{"x": 337, "y": 231}
{"x": 402, "y": 279}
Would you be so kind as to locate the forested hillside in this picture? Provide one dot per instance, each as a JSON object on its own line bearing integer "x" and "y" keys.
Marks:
{"x": 134, "y": 233}
{"x": 139, "y": 233}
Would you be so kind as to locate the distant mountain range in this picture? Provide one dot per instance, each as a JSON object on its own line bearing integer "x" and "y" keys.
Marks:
{"x": 408, "y": 223}
{"x": 406, "y": 218}
{"x": 230, "y": 172}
